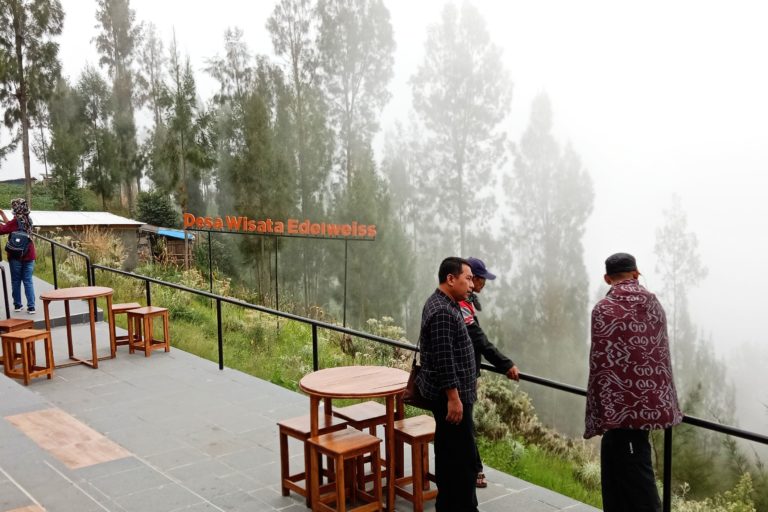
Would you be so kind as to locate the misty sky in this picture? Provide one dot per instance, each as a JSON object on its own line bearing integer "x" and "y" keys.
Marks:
{"x": 656, "y": 97}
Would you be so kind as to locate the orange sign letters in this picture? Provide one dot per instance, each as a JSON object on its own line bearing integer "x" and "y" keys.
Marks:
{"x": 289, "y": 227}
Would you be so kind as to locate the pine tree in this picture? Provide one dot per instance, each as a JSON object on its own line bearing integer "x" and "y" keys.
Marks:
{"x": 187, "y": 149}
{"x": 545, "y": 306}
{"x": 117, "y": 44}
{"x": 29, "y": 65}
{"x": 356, "y": 44}
{"x": 100, "y": 169}
{"x": 292, "y": 26}
{"x": 461, "y": 93}
{"x": 67, "y": 146}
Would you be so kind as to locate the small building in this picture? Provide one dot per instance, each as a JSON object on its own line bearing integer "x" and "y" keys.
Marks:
{"x": 74, "y": 224}
{"x": 165, "y": 243}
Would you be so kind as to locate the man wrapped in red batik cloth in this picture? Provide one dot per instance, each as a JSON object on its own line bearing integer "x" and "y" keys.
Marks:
{"x": 630, "y": 389}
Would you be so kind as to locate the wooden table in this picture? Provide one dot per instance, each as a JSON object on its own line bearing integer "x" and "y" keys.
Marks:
{"x": 360, "y": 382}
{"x": 89, "y": 293}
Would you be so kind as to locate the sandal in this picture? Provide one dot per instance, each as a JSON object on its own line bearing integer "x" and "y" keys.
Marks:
{"x": 481, "y": 482}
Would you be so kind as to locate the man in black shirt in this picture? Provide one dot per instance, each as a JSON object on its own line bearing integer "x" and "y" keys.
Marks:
{"x": 483, "y": 347}
{"x": 448, "y": 377}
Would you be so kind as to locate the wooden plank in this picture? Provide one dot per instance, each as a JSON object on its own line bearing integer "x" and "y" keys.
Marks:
{"x": 72, "y": 442}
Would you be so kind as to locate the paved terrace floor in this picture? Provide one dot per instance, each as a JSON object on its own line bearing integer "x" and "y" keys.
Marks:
{"x": 175, "y": 432}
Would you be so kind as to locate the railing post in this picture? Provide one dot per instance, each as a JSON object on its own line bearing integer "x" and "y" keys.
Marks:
{"x": 91, "y": 273}
{"x": 667, "y": 500}
{"x": 149, "y": 293}
{"x": 5, "y": 296}
{"x": 221, "y": 338}
{"x": 53, "y": 265}
{"x": 315, "y": 356}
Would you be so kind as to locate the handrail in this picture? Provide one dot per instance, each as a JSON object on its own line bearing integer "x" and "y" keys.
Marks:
{"x": 315, "y": 324}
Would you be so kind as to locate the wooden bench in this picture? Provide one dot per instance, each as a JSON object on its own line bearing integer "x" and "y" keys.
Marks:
{"x": 27, "y": 367}
{"x": 147, "y": 342}
{"x": 121, "y": 309}
{"x": 418, "y": 431}
{"x": 10, "y": 325}
{"x": 364, "y": 416}
{"x": 299, "y": 428}
{"x": 344, "y": 447}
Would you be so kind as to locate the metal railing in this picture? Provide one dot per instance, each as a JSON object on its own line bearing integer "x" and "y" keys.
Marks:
{"x": 54, "y": 244}
{"x": 316, "y": 324}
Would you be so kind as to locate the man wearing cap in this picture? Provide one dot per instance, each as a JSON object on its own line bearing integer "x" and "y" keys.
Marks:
{"x": 630, "y": 389}
{"x": 482, "y": 346}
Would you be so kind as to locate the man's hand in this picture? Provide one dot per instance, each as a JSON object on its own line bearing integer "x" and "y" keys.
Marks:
{"x": 455, "y": 407}
{"x": 513, "y": 373}
{"x": 2, "y": 214}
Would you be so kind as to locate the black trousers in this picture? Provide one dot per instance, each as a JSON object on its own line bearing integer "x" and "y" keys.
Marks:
{"x": 627, "y": 472}
{"x": 455, "y": 461}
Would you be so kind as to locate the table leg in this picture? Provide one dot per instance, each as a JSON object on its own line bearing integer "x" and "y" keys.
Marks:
{"x": 112, "y": 338}
{"x": 68, "y": 320}
{"x": 399, "y": 446}
{"x": 389, "y": 441}
{"x": 92, "y": 319}
{"x": 314, "y": 477}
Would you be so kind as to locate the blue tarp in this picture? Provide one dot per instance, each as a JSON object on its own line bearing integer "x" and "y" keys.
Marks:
{"x": 174, "y": 233}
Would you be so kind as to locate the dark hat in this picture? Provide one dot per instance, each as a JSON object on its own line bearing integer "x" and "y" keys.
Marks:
{"x": 479, "y": 270}
{"x": 620, "y": 262}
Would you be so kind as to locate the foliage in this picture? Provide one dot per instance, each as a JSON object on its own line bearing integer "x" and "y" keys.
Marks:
{"x": 155, "y": 207}
{"x": 738, "y": 499}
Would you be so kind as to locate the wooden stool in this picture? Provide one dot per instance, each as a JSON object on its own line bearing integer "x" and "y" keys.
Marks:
{"x": 119, "y": 309}
{"x": 344, "y": 448}
{"x": 418, "y": 431}
{"x": 364, "y": 416}
{"x": 10, "y": 325}
{"x": 299, "y": 428}
{"x": 147, "y": 342}
{"x": 29, "y": 369}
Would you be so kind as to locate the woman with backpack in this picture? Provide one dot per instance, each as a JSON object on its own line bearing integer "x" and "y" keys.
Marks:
{"x": 21, "y": 253}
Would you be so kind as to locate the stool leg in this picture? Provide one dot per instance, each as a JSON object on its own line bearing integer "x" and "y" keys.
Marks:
{"x": 418, "y": 475}
{"x": 377, "y": 494}
{"x": 341, "y": 485}
{"x": 314, "y": 477}
{"x": 131, "y": 333}
{"x": 7, "y": 356}
{"x": 283, "y": 462}
{"x": 25, "y": 362}
{"x": 148, "y": 334}
{"x": 49, "y": 355}
{"x": 165, "y": 332}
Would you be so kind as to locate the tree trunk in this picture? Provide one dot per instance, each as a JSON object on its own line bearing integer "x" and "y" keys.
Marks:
{"x": 22, "y": 97}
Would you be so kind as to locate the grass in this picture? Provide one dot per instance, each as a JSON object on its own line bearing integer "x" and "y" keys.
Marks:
{"x": 538, "y": 467}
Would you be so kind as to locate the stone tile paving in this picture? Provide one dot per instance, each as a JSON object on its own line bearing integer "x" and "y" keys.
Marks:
{"x": 201, "y": 439}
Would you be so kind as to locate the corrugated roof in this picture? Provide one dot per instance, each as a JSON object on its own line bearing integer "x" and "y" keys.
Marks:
{"x": 49, "y": 219}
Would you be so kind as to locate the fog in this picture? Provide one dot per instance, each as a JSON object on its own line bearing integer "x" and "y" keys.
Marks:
{"x": 657, "y": 98}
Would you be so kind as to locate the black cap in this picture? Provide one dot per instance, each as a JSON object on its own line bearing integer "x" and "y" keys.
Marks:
{"x": 620, "y": 262}
{"x": 479, "y": 270}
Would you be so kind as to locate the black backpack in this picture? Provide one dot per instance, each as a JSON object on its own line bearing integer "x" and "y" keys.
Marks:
{"x": 18, "y": 242}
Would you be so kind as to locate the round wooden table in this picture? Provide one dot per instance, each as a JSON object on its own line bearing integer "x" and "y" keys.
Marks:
{"x": 359, "y": 382}
{"x": 90, "y": 294}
